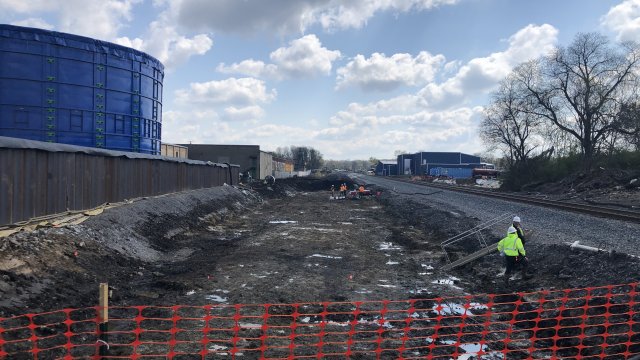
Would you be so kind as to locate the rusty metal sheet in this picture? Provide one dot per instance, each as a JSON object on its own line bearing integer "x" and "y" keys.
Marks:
{"x": 36, "y": 182}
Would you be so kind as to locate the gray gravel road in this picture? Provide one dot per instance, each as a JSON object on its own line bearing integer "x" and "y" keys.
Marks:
{"x": 548, "y": 225}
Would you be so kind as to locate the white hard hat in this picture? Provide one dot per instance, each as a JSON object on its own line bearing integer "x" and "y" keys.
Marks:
{"x": 511, "y": 230}
{"x": 516, "y": 219}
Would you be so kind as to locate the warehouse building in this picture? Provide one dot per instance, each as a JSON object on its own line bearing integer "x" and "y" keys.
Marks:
{"x": 386, "y": 168}
{"x": 452, "y": 164}
{"x": 282, "y": 168}
{"x": 174, "y": 151}
{"x": 257, "y": 163}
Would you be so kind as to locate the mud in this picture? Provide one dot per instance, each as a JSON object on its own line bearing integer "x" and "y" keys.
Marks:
{"x": 283, "y": 243}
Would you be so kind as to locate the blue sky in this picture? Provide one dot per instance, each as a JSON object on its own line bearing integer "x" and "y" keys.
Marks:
{"x": 353, "y": 79}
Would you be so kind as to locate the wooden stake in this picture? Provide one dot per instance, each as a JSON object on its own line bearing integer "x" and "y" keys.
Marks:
{"x": 103, "y": 314}
{"x": 104, "y": 302}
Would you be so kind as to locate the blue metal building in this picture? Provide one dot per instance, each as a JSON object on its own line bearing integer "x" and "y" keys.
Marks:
{"x": 64, "y": 88}
{"x": 386, "y": 168}
{"x": 422, "y": 163}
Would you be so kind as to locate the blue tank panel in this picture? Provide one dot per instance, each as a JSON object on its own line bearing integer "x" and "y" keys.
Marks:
{"x": 65, "y": 88}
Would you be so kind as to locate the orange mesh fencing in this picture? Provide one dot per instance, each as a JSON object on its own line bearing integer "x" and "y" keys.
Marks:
{"x": 588, "y": 323}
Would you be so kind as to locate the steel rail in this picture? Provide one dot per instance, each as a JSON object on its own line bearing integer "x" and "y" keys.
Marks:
{"x": 618, "y": 214}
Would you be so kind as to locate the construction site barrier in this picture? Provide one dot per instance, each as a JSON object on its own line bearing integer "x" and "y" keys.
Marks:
{"x": 587, "y": 323}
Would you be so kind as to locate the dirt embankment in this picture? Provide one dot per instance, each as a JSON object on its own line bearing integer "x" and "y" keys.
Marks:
{"x": 603, "y": 187}
{"x": 288, "y": 242}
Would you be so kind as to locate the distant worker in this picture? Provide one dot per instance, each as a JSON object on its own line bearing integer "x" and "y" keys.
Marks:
{"x": 519, "y": 229}
{"x": 343, "y": 190}
{"x": 511, "y": 246}
{"x": 333, "y": 191}
{"x": 361, "y": 189}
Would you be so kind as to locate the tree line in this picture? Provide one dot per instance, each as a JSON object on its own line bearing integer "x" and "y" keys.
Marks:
{"x": 307, "y": 158}
{"x": 581, "y": 100}
{"x": 304, "y": 157}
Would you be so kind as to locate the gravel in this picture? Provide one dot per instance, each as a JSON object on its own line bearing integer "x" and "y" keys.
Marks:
{"x": 549, "y": 226}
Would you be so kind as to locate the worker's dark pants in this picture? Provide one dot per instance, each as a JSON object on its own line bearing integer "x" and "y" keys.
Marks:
{"x": 513, "y": 262}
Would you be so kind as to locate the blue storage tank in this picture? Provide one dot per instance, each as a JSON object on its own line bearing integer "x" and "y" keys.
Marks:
{"x": 70, "y": 89}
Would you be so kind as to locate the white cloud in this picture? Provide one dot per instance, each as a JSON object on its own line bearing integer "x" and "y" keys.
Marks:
{"x": 304, "y": 57}
{"x": 285, "y": 16}
{"x": 164, "y": 42}
{"x": 34, "y": 22}
{"x": 21, "y": 6}
{"x": 246, "y": 113}
{"x": 101, "y": 19}
{"x": 441, "y": 131}
{"x": 181, "y": 127}
{"x": 232, "y": 92}
{"x": 380, "y": 72}
{"x": 355, "y": 13}
{"x": 250, "y": 67}
{"x": 624, "y": 20}
{"x": 135, "y": 43}
{"x": 480, "y": 75}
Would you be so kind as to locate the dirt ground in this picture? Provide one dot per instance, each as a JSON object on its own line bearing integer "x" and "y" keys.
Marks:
{"x": 603, "y": 187}
{"x": 271, "y": 244}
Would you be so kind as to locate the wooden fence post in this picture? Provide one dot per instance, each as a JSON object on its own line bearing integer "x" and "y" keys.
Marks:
{"x": 104, "y": 319}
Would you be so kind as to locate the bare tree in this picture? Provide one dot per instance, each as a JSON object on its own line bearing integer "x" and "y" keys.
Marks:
{"x": 629, "y": 124}
{"x": 509, "y": 123}
{"x": 580, "y": 88}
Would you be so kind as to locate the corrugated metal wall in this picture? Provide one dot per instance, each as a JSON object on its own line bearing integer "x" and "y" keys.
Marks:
{"x": 37, "y": 182}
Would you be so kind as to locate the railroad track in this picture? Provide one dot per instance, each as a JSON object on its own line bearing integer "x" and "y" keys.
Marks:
{"x": 618, "y": 214}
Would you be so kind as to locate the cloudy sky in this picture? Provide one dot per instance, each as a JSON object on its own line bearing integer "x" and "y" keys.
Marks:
{"x": 353, "y": 79}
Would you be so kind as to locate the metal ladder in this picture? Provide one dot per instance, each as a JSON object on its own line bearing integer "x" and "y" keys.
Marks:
{"x": 476, "y": 232}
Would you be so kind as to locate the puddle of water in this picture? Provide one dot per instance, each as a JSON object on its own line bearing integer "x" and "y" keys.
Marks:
{"x": 392, "y": 262}
{"x": 345, "y": 223}
{"x": 429, "y": 267}
{"x": 283, "y": 222}
{"x": 388, "y": 246}
{"x": 216, "y": 298}
{"x": 325, "y": 256}
{"x": 448, "y": 281}
{"x": 318, "y": 229}
{"x": 216, "y": 347}
{"x": 364, "y": 291}
{"x": 387, "y": 285}
{"x": 471, "y": 350}
{"x": 266, "y": 273}
{"x": 457, "y": 309}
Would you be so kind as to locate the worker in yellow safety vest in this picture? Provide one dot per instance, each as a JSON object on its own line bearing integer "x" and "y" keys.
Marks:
{"x": 515, "y": 255}
{"x": 519, "y": 230}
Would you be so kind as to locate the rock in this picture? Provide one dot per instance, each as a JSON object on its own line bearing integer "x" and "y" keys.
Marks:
{"x": 4, "y": 287}
{"x": 148, "y": 294}
{"x": 634, "y": 183}
{"x": 82, "y": 244}
{"x": 140, "y": 273}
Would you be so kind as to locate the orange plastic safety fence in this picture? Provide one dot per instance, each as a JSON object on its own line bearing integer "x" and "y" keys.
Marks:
{"x": 589, "y": 323}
